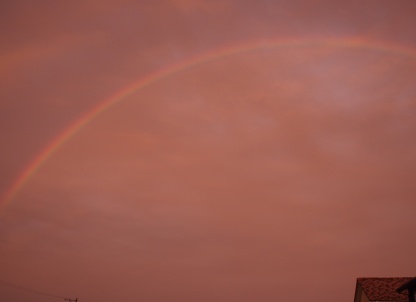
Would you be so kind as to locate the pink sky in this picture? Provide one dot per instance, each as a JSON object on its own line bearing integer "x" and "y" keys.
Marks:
{"x": 280, "y": 172}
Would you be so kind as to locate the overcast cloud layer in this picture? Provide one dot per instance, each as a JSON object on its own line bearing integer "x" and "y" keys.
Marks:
{"x": 270, "y": 174}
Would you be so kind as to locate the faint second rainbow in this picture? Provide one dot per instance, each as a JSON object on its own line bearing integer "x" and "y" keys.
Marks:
{"x": 177, "y": 67}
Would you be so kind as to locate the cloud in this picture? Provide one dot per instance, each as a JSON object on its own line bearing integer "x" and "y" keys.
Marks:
{"x": 239, "y": 178}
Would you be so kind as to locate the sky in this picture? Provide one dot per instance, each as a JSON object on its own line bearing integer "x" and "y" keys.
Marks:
{"x": 187, "y": 150}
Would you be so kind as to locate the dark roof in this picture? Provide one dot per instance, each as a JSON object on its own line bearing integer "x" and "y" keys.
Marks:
{"x": 410, "y": 285}
{"x": 383, "y": 289}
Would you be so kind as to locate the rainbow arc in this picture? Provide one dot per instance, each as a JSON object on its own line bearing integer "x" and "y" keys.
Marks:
{"x": 171, "y": 70}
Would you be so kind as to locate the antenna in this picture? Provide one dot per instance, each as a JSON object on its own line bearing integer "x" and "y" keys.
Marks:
{"x": 72, "y": 300}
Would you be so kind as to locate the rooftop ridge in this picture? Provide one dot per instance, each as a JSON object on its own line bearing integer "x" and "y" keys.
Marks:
{"x": 383, "y": 289}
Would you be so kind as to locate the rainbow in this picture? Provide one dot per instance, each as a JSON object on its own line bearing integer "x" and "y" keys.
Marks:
{"x": 148, "y": 80}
